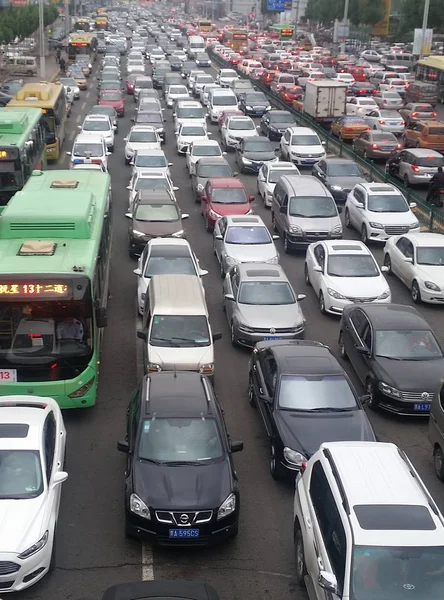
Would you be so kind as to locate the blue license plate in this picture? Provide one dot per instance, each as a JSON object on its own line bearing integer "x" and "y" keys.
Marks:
{"x": 272, "y": 337}
{"x": 394, "y": 124}
{"x": 259, "y": 112}
{"x": 386, "y": 148}
{"x": 309, "y": 162}
{"x": 423, "y": 407}
{"x": 184, "y": 533}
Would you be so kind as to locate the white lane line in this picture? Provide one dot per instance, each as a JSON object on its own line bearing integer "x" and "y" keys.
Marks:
{"x": 78, "y": 118}
{"x": 147, "y": 563}
{"x": 83, "y": 105}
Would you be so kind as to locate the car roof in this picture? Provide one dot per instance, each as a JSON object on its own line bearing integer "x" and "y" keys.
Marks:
{"x": 421, "y": 152}
{"x": 155, "y": 197}
{"x": 226, "y": 182}
{"x": 150, "y": 152}
{"x": 89, "y": 138}
{"x": 142, "y": 128}
{"x": 96, "y": 117}
{"x": 392, "y": 316}
{"x": 379, "y": 188}
{"x": 426, "y": 239}
{"x": 339, "y": 161}
{"x": 180, "y": 393}
{"x": 149, "y": 173}
{"x": 244, "y": 220}
{"x": 30, "y": 411}
{"x": 301, "y": 130}
{"x": 168, "y": 241}
{"x": 211, "y": 160}
{"x": 346, "y": 247}
{"x": 262, "y": 271}
{"x": 205, "y": 143}
{"x": 304, "y": 357}
{"x": 282, "y": 164}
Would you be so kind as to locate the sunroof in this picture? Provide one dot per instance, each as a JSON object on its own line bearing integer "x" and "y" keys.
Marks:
{"x": 263, "y": 273}
{"x": 244, "y": 220}
{"x": 13, "y": 430}
{"x": 395, "y": 517}
{"x": 382, "y": 188}
{"x": 348, "y": 247}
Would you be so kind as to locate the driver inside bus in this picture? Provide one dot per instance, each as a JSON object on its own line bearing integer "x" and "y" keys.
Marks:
{"x": 70, "y": 329}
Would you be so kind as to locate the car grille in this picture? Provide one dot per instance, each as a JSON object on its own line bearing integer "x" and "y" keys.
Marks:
{"x": 317, "y": 235}
{"x": 257, "y": 108}
{"x": 8, "y": 567}
{"x": 275, "y": 331}
{"x": 397, "y": 229}
{"x": 360, "y": 300}
{"x": 417, "y": 396}
{"x": 178, "y": 518}
{"x": 5, "y": 585}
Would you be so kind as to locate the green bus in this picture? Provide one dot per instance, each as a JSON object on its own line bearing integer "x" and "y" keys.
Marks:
{"x": 55, "y": 243}
{"x": 22, "y": 148}
{"x": 283, "y": 32}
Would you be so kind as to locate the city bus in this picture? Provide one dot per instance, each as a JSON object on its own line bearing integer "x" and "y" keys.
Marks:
{"x": 55, "y": 240}
{"x": 431, "y": 69}
{"x": 82, "y": 43}
{"x": 22, "y": 148}
{"x": 101, "y": 21}
{"x": 204, "y": 25}
{"x": 50, "y": 97}
{"x": 237, "y": 39}
{"x": 283, "y": 32}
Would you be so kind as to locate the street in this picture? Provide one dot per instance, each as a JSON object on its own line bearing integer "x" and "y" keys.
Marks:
{"x": 92, "y": 551}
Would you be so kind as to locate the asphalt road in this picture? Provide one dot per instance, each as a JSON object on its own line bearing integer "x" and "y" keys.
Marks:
{"x": 92, "y": 552}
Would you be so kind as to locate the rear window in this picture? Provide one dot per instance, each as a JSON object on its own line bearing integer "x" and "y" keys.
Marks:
{"x": 436, "y": 130}
{"x": 429, "y": 161}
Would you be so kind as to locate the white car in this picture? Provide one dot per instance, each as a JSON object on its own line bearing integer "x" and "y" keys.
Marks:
{"x": 301, "y": 146}
{"x": 155, "y": 159}
{"x": 157, "y": 55}
{"x": 149, "y": 180}
{"x": 187, "y": 111}
{"x": 99, "y": 125}
{"x": 360, "y": 107}
{"x": 385, "y": 120}
{"x": 199, "y": 149}
{"x": 226, "y": 76}
{"x": 200, "y": 81}
{"x": 189, "y": 132}
{"x": 89, "y": 149}
{"x": 141, "y": 137}
{"x": 70, "y": 82}
{"x": 395, "y": 84}
{"x": 235, "y": 129}
{"x": 88, "y": 167}
{"x": 192, "y": 77}
{"x": 165, "y": 256}
{"x": 346, "y": 78}
{"x": 32, "y": 457}
{"x": 417, "y": 259}
{"x": 371, "y": 55}
{"x": 269, "y": 175}
{"x": 175, "y": 92}
{"x": 205, "y": 92}
{"x": 378, "y": 211}
{"x": 135, "y": 66}
{"x": 344, "y": 272}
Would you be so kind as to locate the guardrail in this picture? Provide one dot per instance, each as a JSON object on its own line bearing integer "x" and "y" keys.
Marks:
{"x": 429, "y": 216}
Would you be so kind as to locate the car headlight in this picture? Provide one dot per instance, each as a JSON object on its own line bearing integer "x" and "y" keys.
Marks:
{"x": 336, "y": 229}
{"x": 293, "y": 457}
{"x": 376, "y": 225}
{"x": 296, "y": 154}
{"x": 249, "y": 107}
{"x": 137, "y": 233}
{"x": 384, "y": 295}
{"x": 138, "y": 507}
{"x": 207, "y": 369}
{"x": 273, "y": 261}
{"x": 414, "y": 225}
{"x": 246, "y": 160}
{"x": 336, "y": 188}
{"x": 35, "y": 547}
{"x": 153, "y": 368}
{"x": 335, "y": 294}
{"x": 178, "y": 234}
{"x": 200, "y": 187}
{"x": 227, "y": 507}
{"x": 230, "y": 260}
{"x": 432, "y": 286}
{"x": 214, "y": 215}
{"x": 295, "y": 229}
{"x": 268, "y": 108}
{"x": 388, "y": 390}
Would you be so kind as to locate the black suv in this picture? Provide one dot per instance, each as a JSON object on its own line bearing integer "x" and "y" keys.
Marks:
{"x": 181, "y": 486}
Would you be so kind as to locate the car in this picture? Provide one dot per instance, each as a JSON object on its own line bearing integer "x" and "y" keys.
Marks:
{"x": 189, "y": 132}
{"x": 5, "y": 98}
{"x": 149, "y": 101}
{"x": 362, "y": 88}
{"x": 175, "y": 62}
{"x": 176, "y": 436}
{"x": 371, "y": 55}
{"x": 154, "y": 214}
{"x": 223, "y": 196}
{"x": 70, "y": 82}
{"x": 78, "y": 76}
{"x": 414, "y": 111}
{"x": 188, "y": 110}
{"x": 395, "y": 354}
{"x": 11, "y": 86}
{"x": 415, "y": 166}
{"x": 269, "y": 174}
{"x": 260, "y": 304}
{"x": 226, "y": 76}
{"x": 32, "y": 459}
{"x": 151, "y": 158}
{"x": 339, "y": 175}
{"x": 106, "y": 110}
{"x": 206, "y": 167}
{"x": 161, "y": 590}
{"x": 99, "y": 124}
{"x": 344, "y": 272}
{"x": 140, "y": 137}
{"x": 199, "y": 149}
{"x": 142, "y": 82}
{"x": 200, "y": 81}
{"x": 236, "y": 128}
{"x": 114, "y": 99}
{"x": 304, "y": 398}
{"x": 301, "y": 146}
{"x": 418, "y": 260}
{"x": 165, "y": 256}
{"x": 290, "y": 94}
{"x": 348, "y": 128}
{"x": 378, "y": 211}
{"x": 385, "y": 120}
{"x": 395, "y": 84}
{"x": 175, "y": 92}
{"x": 275, "y": 122}
{"x": 360, "y": 106}
{"x": 388, "y": 99}
{"x": 253, "y": 152}
{"x": 424, "y": 134}
{"x": 376, "y": 144}
{"x": 254, "y": 103}
{"x": 89, "y": 149}
{"x": 158, "y": 76}
{"x": 191, "y": 77}
{"x": 243, "y": 239}
{"x": 204, "y": 93}
{"x": 148, "y": 180}
{"x": 346, "y": 78}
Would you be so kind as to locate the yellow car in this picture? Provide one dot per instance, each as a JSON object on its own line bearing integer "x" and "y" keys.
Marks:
{"x": 79, "y": 78}
{"x": 347, "y": 128}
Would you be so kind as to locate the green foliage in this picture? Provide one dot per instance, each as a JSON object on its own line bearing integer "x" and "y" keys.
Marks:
{"x": 368, "y": 12}
{"x": 412, "y": 13}
{"x": 22, "y": 21}
{"x": 324, "y": 11}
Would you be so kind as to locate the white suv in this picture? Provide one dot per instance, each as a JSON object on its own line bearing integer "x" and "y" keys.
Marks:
{"x": 301, "y": 146}
{"x": 365, "y": 525}
{"x": 99, "y": 125}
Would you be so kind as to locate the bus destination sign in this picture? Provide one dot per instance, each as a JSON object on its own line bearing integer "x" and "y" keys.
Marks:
{"x": 41, "y": 290}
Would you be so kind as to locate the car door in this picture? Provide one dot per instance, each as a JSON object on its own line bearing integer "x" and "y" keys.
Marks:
{"x": 52, "y": 465}
{"x": 372, "y": 118}
{"x": 316, "y": 277}
{"x": 411, "y": 133}
{"x": 265, "y": 386}
{"x": 219, "y": 232}
{"x": 239, "y": 151}
{"x": 230, "y": 286}
{"x": 132, "y": 424}
{"x": 262, "y": 177}
{"x": 320, "y": 170}
{"x": 285, "y": 144}
{"x": 360, "y": 337}
{"x": 265, "y": 123}
{"x": 189, "y": 155}
{"x": 360, "y": 142}
{"x": 351, "y": 106}
{"x": 404, "y": 256}
{"x": 355, "y": 204}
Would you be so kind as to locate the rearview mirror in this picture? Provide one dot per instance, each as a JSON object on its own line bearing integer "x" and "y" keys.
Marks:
{"x": 175, "y": 189}
{"x": 137, "y": 272}
{"x": 362, "y": 349}
{"x": 412, "y": 205}
{"x": 328, "y": 582}
{"x": 68, "y": 153}
{"x": 229, "y": 297}
{"x": 219, "y": 236}
{"x": 275, "y": 236}
{"x": 123, "y": 447}
{"x": 236, "y": 446}
{"x": 185, "y": 216}
{"x": 317, "y": 269}
{"x": 217, "y": 336}
{"x": 203, "y": 272}
{"x": 129, "y": 215}
{"x": 252, "y": 198}
{"x": 59, "y": 477}
{"x": 384, "y": 269}
{"x": 407, "y": 259}
{"x": 301, "y": 297}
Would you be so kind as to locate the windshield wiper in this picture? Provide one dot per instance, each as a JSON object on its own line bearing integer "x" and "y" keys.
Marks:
{"x": 183, "y": 463}
{"x": 389, "y": 357}
{"x": 331, "y": 409}
{"x": 151, "y": 460}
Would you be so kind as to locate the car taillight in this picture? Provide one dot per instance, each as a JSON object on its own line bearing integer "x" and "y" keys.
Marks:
{"x": 375, "y": 146}
{"x": 434, "y": 114}
{"x": 96, "y": 161}
{"x": 390, "y": 87}
{"x": 441, "y": 191}
{"x": 384, "y": 101}
{"x": 382, "y": 122}
{"x": 414, "y": 114}
{"x": 414, "y": 168}
{"x": 348, "y": 129}
{"x": 398, "y": 146}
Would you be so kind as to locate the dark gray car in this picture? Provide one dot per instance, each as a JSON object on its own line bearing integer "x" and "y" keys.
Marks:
{"x": 206, "y": 168}
{"x": 339, "y": 175}
{"x": 253, "y": 152}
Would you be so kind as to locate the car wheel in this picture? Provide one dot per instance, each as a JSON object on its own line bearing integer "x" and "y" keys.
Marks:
{"x": 347, "y": 221}
{"x": 388, "y": 264}
{"x": 322, "y": 303}
{"x": 276, "y": 469}
{"x": 287, "y": 244}
{"x": 301, "y": 568}
{"x": 364, "y": 236}
{"x": 406, "y": 181}
{"x": 371, "y": 393}
{"x": 306, "y": 275}
{"x": 251, "y": 395}
{"x": 342, "y": 350}
{"x": 415, "y": 292}
{"x": 233, "y": 335}
{"x": 438, "y": 463}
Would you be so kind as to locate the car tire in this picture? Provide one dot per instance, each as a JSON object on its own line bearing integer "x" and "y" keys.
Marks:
{"x": 233, "y": 335}
{"x": 251, "y": 395}
{"x": 276, "y": 469}
{"x": 370, "y": 391}
{"x": 364, "y": 235}
{"x": 406, "y": 181}
{"x": 347, "y": 221}
{"x": 415, "y": 292}
{"x": 322, "y": 303}
{"x": 306, "y": 276}
{"x": 388, "y": 264}
{"x": 287, "y": 245}
{"x": 341, "y": 343}
{"x": 300, "y": 566}
{"x": 438, "y": 463}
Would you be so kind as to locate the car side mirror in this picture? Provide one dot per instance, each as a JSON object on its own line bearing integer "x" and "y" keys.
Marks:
{"x": 219, "y": 236}
{"x": 362, "y": 349}
{"x": 252, "y": 198}
{"x": 137, "y": 272}
{"x": 141, "y": 335}
{"x": 125, "y": 139}
{"x": 229, "y": 297}
{"x": 407, "y": 259}
{"x": 123, "y": 447}
{"x": 129, "y": 215}
{"x": 101, "y": 317}
{"x": 317, "y": 269}
{"x": 69, "y": 153}
{"x": 175, "y": 188}
{"x": 384, "y": 269}
{"x": 59, "y": 477}
{"x": 301, "y": 297}
{"x": 365, "y": 398}
{"x": 328, "y": 582}
{"x": 217, "y": 336}
{"x": 236, "y": 446}
{"x": 185, "y": 216}
{"x": 412, "y": 205}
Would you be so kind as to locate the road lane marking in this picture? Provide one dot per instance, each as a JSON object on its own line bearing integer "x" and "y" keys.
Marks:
{"x": 83, "y": 105}
{"x": 78, "y": 118}
{"x": 147, "y": 563}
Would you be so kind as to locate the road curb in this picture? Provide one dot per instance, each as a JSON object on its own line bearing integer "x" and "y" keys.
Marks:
{"x": 54, "y": 77}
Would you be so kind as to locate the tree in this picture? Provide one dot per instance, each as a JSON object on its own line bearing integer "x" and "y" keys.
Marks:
{"x": 360, "y": 12}
{"x": 412, "y": 12}
{"x": 324, "y": 11}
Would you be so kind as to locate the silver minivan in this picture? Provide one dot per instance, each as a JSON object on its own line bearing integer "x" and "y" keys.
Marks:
{"x": 436, "y": 431}
{"x": 21, "y": 65}
{"x": 176, "y": 329}
{"x": 303, "y": 211}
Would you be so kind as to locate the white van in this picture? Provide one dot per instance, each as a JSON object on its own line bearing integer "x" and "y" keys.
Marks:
{"x": 175, "y": 328}
{"x": 196, "y": 45}
{"x": 21, "y": 65}
{"x": 220, "y": 100}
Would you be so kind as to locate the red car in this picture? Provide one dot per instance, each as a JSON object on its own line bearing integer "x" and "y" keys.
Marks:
{"x": 130, "y": 80}
{"x": 114, "y": 99}
{"x": 224, "y": 196}
{"x": 289, "y": 94}
{"x": 228, "y": 113}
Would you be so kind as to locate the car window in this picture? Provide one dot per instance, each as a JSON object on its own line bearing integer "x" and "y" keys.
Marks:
{"x": 320, "y": 255}
{"x": 269, "y": 371}
{"x": 359, "y": 321}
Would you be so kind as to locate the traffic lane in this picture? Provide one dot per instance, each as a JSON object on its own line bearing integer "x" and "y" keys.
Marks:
{"x": 92, "y": 552}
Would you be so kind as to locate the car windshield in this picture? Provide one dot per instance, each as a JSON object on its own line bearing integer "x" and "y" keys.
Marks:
{"x": 150, "y": 161}
{"x": 407, "y": 345}
{"x": 104, "y": 110}
{"x": 20, "y": 474}
{"x": 256, "y": 145}
{"x": 274, "y": 175}
{"x": 90, "y": 125}
{"x": 433, "y": 256}
{"x": 178, "y": 89}
{"x": 214, "y": 171}
{"x": 312, "y": 206}
{"x": 305, "y": 140}
{"x": 157, "y": 212}
{"x": 169, "y": 265}
{"x": 68, "y": 81}
{"x": 389, "y": 203}
{"x": 266, "y": 293}
{"x": 321, "y": 393}
{"x": 229, "y": 196}
{"x": 207, "y": 150}
{"x": 204, "y": 79}
{"x": 174, "y": 331}
{"x": 280, "y": 118}
{"x": 390, "y": 114}
{"x": 366, "y": 102}
{"x": 352, "y": 265}
{"x": 344, "y": 170}
{"x": 152, "y": 183}
{"x": 429, "y": 161}
{"x": 180, "y": 441}
{"x": 255, "y": 97}
{"x": 241, "y": 125}
{"x": 392, "y": 95}
{"x": 190, "y": 113}
{"x": 436, "y": 130}
{"x": 228, "y": 73}
{"x": 142, "y": 136}
{"x": 248, "y": 235}
{"x": 111, "y": 97}
{"x": 87, "y": 149}
{"x": 144, "y": 84}
{"x": 194, "y": 131}
{"x": 228, "y": 100}
{"x": 398, "y": 573}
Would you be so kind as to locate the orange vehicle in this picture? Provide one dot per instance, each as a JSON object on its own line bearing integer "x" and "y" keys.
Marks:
{"x": 424, "y": 134}
{"x": 358, "y": 73}
{"x": 299, "y": 104}
{"x": 347, "y": 128}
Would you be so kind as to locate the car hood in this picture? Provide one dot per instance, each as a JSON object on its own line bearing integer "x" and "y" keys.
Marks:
{"x": 251, "y": 253}
{"x": 315, "y": 224}
{"x": 317, "y": 149}
{"x": 157, "y": 228}
{"x": 182, "y": 487}
{"x": 305, "y": 432}
{"x": 187, "y": 139}
{"x": 242, "y": 133}
{"x": 230, "y": 209}
{"x": 270, "y": 316}
{"x": 136, "y": 146}
{"x": 410, "y": 375}
{"x": 358, "y": 287}
{"x": 433, "y": 273}
{"x": 281, "y": 126}
{"x": 21, "y": 523}
{"x": 347, "y": 183}
{"x": 392, "y": 218}
{"x": 186, "y": 358}
{"x": 264, "y": 103}
{"x": 259, "y": 156}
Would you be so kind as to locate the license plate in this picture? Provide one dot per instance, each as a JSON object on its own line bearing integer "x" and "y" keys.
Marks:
{"x": 309, "y": 162}
{"x": 258, "y": 112}
{"x": 386, "y": 148}
{"x": 394, "y": 124}
{"x": 184, "y": 533}
{"x": 8, "y": 375}
{"x": 271, "y": 337}
{"x": 423, "y": 407}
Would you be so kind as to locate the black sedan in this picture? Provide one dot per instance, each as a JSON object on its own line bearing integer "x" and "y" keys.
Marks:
{"x": 181, "y": 487}
{"x": 305, "y": 398}
{"x": 175, "y": 62}
{"x": 339, "y": 175}
{"x": 254, "y": 103}
{"x": 161, "y": 590}
{"x": 395, "y": 354}
{"x": 275, "y": 122}
{"x": 252, "y": 152}
{"x": 363, "y": 88}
